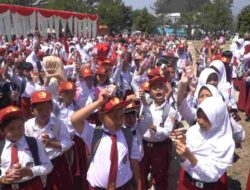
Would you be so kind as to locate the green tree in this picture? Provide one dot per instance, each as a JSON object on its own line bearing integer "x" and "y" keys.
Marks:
{"x": 144, "y": 21}
{"x": 216, "y": 16}
{"x": 243, "y": 24}
{"x": 110, "y": 13}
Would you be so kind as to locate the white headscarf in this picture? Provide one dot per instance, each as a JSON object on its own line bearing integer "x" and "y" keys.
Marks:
{"x": 213, "y": 90}
{"x": 216, "y": 143}
{"x": 219, "y": 65}
{"x": 203, "y": 79}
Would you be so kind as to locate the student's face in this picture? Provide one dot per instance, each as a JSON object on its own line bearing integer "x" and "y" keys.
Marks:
{"x": 68, "y": 96}
{"x": 113, "y": 119}
{"x": 203, "y": 121}
{"x": 89, "y": 81}
{"x": 27, "y": 73}
{"x": 130, "y": 119}
{"x": 101, "y": 79}
{"x": 43, "y": 110}
{"x": 171, "y": 72}
{"x": 204, "y": 93}
{"x": 213, "y": 80}
{"x": 14, "y": 130}
{"x": 158, "y": 92}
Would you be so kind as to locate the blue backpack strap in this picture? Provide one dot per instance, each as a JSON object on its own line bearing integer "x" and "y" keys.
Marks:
{"x": 166, "y": 110}
{"x": 97, "y": 136}
{"x": 31, "y": 141}
{"x": 129, "y": 138}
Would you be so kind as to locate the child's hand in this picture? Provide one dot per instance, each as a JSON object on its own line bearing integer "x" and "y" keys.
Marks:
{"x": 103, "y": 96}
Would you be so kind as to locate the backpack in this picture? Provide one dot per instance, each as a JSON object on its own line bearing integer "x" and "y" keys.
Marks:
{"x": 166, "y": 109}
{"x": 32, "y": 144}
{"x": 97, "y": 136}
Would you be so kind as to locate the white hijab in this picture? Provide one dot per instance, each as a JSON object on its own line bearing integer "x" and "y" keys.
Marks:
{"x": 216, "y": 143}
{"x": 219, "y": 65}
{"x": 213, "y": 90}
{"x": 203, "y": 79}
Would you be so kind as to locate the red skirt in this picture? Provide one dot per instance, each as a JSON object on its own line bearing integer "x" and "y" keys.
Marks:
{"x": 60, "y": 178}
{"x": 156, "y": 161}
{"x": 248, "y": 182}
{"x": 185, "y": 183}
{"x": 79, "y": 166}
{"x": 242, "y": 102}
{"x": 32, "y": 184}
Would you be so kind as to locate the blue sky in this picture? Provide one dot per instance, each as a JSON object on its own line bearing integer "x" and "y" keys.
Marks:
{"x": 137, "y": 4}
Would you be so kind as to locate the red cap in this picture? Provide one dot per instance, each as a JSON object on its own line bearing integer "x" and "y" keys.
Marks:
{"x": 66, "y": 86}
{"x": 134, "y": 105}
{"x": 108, "y": 62}
{"x": 154, "y": 72}
{"x": 2, "y": 51}
{"x": 10, "y": 112}
{"x": 40, "y": 96}
{"x": 40, "y": 54}
{"x": 157, "y": 79}
{"x": 181, "y": 46}
{"x": 113, "y": 104}
{"x": 86, "y": 72}
{"x": 101, "y": 70}
{"x": 138, "y": 42}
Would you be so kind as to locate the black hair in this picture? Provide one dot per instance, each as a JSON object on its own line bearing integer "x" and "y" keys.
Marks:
{"x": 8, "y": 121}
{"x": 203, "y": 87}
{"x": 212, "y": 77}
{"x": 35, "y": 104}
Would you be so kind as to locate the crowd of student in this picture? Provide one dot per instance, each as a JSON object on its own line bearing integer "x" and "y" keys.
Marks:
{"x": 105, "y": 113}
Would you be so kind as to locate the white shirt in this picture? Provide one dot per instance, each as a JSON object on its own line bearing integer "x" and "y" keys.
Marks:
{"x": 32, "y": 58}
{"x": 30, "y": 86}
{"x": 98, "y": 171}
{"x": 83, "y": 52}
{"x": 84, "y": 95}
{"x": 140, "y": 129}
{"x": 56, "y": 130}
{"x": 163, "y": 130}
{"x": 187, "y": 112}
{"x": 64, "y": 113}
{"x": 25, "y": 159}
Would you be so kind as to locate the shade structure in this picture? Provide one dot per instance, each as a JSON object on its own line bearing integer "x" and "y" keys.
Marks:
{"x": 22, "y": 20}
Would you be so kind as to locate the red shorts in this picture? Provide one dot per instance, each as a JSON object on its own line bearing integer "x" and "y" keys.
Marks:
{"x": 32, "y": 184}
{"x": 187, "y": 183}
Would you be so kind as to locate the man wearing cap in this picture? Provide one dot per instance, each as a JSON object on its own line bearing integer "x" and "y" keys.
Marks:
{"x": 111, "y": 162}
{"x": 55, "y": 137}
{"x": 157, "y": 145}
{"x": 20, "y": 167}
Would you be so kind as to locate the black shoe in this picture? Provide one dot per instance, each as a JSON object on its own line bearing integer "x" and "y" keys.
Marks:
{"x": 247, "y": 119}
